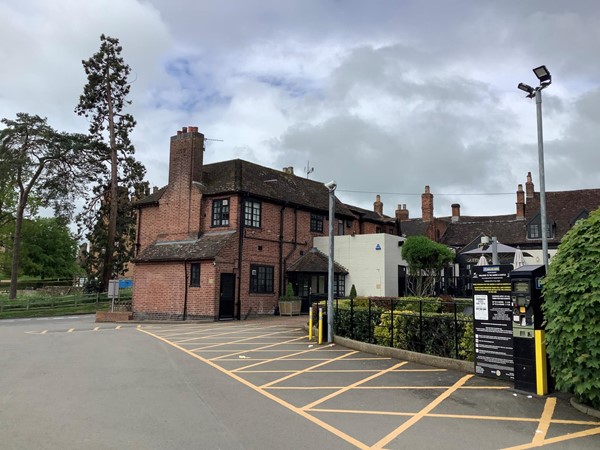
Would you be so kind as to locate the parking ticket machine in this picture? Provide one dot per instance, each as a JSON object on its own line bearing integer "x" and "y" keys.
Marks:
{"x": 529, "y": 350}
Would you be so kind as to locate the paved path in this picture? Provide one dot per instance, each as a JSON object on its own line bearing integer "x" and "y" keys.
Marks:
{"x": 254, "y": 384}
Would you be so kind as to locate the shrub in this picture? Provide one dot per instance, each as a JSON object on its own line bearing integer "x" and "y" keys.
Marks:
{"x": 571, "y": 308}
{"x": 467, "y": 342}
{"x": 435, "y": 334}
{"x": 356, "y": 322}
{"x": 352, "y": 292}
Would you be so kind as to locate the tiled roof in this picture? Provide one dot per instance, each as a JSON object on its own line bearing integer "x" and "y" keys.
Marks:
{"x": 368, "y": 215}
{"x": 506, "y": 228}
{"x": 414, "y": 227}
{"x": 206, "y": 246}
{"x": 563, "y": 207}
{"x": 239, "y": 176}
{"x": 315, "y": 261}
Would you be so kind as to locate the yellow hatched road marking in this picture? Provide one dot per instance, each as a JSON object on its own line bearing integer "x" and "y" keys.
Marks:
{"x": 554, "y": 440}
{"x": 307, "y": 369}
{"x": 281, "y": 402}
{"x": 261, "y": 349}
{"x": 414, "y": 419}
{"x": 236, "y": 341}
{"x": 540, "y": 433}
{"x": 210, "y": 336}
{"x": 284, "y": 357}
{"x": 353, "y": 385}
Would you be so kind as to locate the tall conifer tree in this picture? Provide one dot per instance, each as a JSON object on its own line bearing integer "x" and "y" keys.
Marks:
{"x": 109, "y": 215}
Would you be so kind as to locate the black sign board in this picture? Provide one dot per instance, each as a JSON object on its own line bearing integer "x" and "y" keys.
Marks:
{"x": 492, "y": 311}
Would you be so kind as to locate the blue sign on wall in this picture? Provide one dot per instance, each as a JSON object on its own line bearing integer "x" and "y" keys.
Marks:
{"x": 124, "y": 284}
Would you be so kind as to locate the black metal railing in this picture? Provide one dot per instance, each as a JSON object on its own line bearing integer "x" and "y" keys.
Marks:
{"x": 432, "y": 326}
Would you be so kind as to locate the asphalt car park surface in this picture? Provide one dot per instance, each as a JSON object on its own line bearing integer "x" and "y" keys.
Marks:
{"x": 71, "y": 383}
{"x": 377, "y": 402}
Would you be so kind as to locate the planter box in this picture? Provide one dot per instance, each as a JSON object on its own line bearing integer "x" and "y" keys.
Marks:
{"x": 290, "y": 308}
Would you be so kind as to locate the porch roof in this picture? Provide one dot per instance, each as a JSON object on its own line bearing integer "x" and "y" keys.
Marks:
{"x": 317, "y": 262}
{"x": 207, "y": 246}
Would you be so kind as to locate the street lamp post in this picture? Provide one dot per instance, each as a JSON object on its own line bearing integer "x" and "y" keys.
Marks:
{"x": 330, "y": 274}
{"x": 545, "y": 78}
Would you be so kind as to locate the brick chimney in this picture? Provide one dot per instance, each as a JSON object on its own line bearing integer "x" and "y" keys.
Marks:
{"x": 520, "y": 203}
{"x": 529, "y": 186}
{"x": 186, "y": 157}
{"x": 378, "y": 206}
{"x": 455, "y": 212}
{"x": 289, "y": 170}
{"x": 427, "y": 205}
{"x": 180, "y": 207}
{"x": 401, "y": 213}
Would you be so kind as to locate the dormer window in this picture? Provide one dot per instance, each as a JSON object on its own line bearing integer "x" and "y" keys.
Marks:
{"x": 583, "y": 214}
{"x": 534, "y": 228}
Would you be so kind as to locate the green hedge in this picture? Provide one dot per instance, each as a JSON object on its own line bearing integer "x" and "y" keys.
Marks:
{"x": 438, "y": 333}
{"x": 354, "y": 320}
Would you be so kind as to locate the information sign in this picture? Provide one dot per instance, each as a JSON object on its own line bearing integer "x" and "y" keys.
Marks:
{"x": 492, "y": 310}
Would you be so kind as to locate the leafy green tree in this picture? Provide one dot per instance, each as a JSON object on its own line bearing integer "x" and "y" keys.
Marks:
{"x": 103, "y": 103}
{"x": 8, "y": 194}
{"x": 49, "y": 169}
{"x": 425, "y": 260}
{"x": 49, "y": 250}
{"x": 572, "y": 311}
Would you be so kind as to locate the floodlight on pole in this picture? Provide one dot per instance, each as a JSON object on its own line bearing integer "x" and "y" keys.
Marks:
{"x": 543, "y": 75}
{"x": 528, "y": 89}
{"x": 331, "y": 186}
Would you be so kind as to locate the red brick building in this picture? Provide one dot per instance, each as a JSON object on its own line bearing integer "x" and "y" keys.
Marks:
{"x": 219, "y": 239}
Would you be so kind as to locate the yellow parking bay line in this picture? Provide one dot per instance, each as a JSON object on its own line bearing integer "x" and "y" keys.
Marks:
{"x": 276, "y": 399}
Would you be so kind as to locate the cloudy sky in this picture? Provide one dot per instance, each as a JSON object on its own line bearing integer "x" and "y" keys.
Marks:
{"x": 384, "y": 97}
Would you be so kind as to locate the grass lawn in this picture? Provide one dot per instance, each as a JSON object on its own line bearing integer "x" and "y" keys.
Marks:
{"x": 34, "y": 304}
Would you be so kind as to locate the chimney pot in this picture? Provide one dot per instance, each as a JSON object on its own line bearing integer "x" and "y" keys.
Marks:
{"x": 184, "y": 130}
{"x": 401, "y": 213}
{"x": 378, "y": 206}
{"x": 455, "y": 212}
{"x": 529, "y": 188}
{"x": 520, "y": 203}
{"x": 427, "y": 205}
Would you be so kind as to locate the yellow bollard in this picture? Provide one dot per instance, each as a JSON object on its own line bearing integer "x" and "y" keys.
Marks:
{"x": 320, "y": 326}
{"x": 310, "y": 323}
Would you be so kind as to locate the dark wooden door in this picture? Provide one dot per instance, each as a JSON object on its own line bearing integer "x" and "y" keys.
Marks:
{"x": 227, "y": 296}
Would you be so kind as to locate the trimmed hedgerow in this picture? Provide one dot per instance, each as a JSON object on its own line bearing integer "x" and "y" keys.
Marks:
{"x": 572, "y": 311}
{"x": 435, "y": 333}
